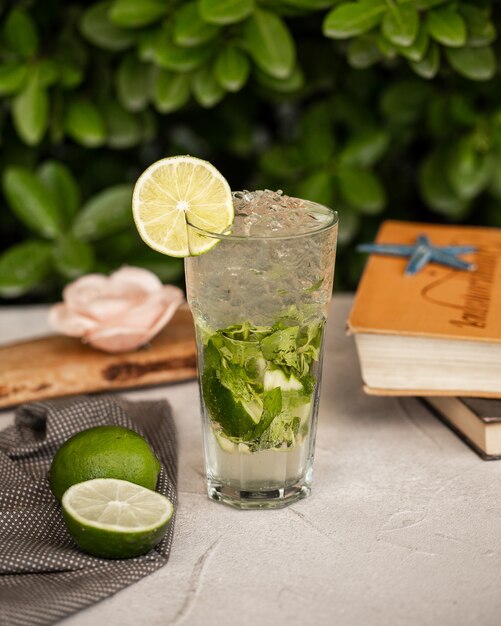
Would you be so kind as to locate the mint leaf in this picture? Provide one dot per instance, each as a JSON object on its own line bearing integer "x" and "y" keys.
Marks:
{"x": 280, "y": 347}
{"x": 235, "y": 379}
{"x": 246, "y": 332}
{"x": 315, "y": 286}
{"x": 242, "y": 395}
{"x": 281, "y": 433}
{"x": 239, "y": 352}
{"x": 310, "y": 335}
{"x": 308, "y": 381}
{"x": 272, "y": 405}
{"x": 212, "y": 357}
{"x": 217, "y": 341}
{"x": 309, "y": 342}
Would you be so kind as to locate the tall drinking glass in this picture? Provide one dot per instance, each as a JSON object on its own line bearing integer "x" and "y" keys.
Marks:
{"x": 260, "y": 299}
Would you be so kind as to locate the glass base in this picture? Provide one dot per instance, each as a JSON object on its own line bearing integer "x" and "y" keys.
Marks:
{"x": 257, "y": 499}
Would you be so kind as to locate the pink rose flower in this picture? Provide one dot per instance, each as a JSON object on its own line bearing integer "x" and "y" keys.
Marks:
{"x": 116, "y": 313}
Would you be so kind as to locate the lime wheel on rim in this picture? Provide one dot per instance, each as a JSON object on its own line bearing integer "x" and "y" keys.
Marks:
{"x": 174, "y": 193}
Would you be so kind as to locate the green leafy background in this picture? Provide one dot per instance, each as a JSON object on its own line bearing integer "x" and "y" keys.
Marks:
{"x": 378, "y": 108}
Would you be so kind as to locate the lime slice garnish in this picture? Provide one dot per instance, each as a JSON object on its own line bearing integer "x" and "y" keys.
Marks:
{"x": 114, "y": 518}
{"x": 178, "y": 191}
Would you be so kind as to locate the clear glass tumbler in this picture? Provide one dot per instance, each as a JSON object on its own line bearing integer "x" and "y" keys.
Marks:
{"x": 260, "y": 299}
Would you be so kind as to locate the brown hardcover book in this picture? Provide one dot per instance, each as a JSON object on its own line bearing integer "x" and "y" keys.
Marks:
{"x": 476, "y": 420}
{"x": 437, "y": 332}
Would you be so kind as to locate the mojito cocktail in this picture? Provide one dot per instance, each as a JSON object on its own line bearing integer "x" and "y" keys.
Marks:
{"x": 260, "y": 298}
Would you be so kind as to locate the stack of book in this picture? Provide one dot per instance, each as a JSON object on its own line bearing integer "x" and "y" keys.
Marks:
{"x": 436, "y": 334}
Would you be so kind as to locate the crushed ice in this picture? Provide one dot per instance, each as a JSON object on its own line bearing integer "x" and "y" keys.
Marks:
{"x": 264, "y": 211}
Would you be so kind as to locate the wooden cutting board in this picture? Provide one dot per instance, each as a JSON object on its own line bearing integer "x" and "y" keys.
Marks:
{"x": 60, "y": 366}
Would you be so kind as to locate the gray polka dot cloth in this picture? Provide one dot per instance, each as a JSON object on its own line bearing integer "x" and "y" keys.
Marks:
{"x": 43, "y": 576}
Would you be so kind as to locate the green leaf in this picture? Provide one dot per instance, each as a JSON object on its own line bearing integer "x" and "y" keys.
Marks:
{"x": 96, "y": 27}
{"x": 401, "y": 24}
{"x": 56, "y": 124}
{"x": 272, "y": 406}
{"x": 349, "y": 225}
{"x": 439, "y": 119}
{"x": 123, "y": 128}
{"x": 233, "y": 378}
{"x": 281, "y": 432}
{"x": 124, "y": 244}
{"x": 468, "y": 171}
{"x": 20, "y": 33}
{"x": 232, "y": 68}
{"x": 134, "y": 14}
{"x": 363, "y": 52}
{"x": 404, "y": 102}
{"x": 481, "y": 31}
{"x": 206, "y": 90}
{"x": 149, "y": 123}
{"x": 23, "y": 267}
{"x": 72, "y": 257}
{"x": 133, "y": 84}
{"x": 70, "y": 75}
{"x": 353, "y": 18}
{"x": 48, "y": 72}
{"x": 171, "y": 57}
{"x": 446, "y": 26}
{"x": 495, "y": 191}
{"x": 462, "y": 111}
{"x": 12, "y": 77}
{"x": 285, "y": 162}
{"x": 189, "y": 28}
{"x": 240, "y": 133}
{"x": 270, "y": 44}
{"x": 365, "y": 147}
{"x": 168, "y": 269}
{"x": 435, "y": 188}
{"x": 291, "y": 84}
{"x": 317, "y": 187}
{"x": 311, "y": 5}
{"x": 430, "y": 64}
{"x": 225, "y": 11}
{"x": 59, "y": 181}
{"x": 317, "y": 140}
{"x": 105, "y": 214}
{"x": 474, "y": 63}
{"x": 387, "y": 49}
{"x": 361, "y": 189}
{"x": 30, "y": 200}
{"x": 85, "y": 124}
{"x": 170, "y": 91}
{"x": 428, "y": 4}
{"x": 417, "y": 50}
{"x": 148, "y": 41}
{"x": 30, "y": 110}
{"x": 280, "y": 347}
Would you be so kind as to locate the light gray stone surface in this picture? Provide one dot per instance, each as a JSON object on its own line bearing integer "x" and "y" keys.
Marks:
{"x": 403, "y": 527}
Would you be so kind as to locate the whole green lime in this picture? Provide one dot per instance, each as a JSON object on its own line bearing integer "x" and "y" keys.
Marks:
{"x": 103, "y": 452}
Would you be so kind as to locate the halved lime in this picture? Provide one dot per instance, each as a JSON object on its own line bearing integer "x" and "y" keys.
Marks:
{"x": 114, "y": 518}
{"x": 178, "y": 191}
